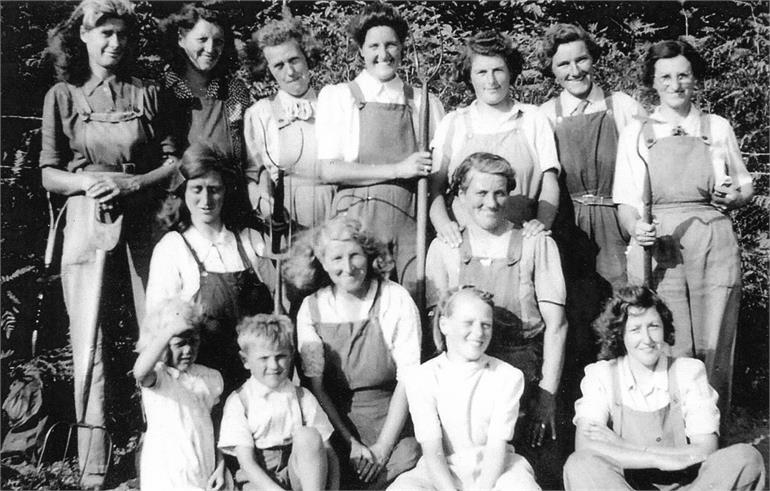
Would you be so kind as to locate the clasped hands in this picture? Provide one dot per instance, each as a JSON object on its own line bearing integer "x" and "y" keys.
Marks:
{"x": 369, "y": 461}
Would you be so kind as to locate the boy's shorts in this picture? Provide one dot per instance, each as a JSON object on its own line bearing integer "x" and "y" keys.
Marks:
{"x": 275, "y": 462}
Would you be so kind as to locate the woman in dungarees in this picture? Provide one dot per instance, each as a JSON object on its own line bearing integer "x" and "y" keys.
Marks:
{"x": 280, "y": 130}
{"x": 496, "y": 123}
{"x": 697, "y": 176}
{"x": 214, "y": 263}
{"x": 647, "y": 420}
{"x": 103, "y": 147}
{"x": 206, "y": 99}
{"x": 358, "y": 335}
{"x": 366, "y": 132}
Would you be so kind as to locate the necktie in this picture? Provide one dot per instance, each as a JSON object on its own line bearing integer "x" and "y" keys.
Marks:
{"x": 581, "y": 108}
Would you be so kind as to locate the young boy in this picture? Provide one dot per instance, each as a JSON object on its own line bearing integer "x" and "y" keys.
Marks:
{"x": 278, "y": 431}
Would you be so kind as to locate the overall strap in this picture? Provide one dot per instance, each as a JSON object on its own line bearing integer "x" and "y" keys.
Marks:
{"x": 201, "y": 269}
{"x": 312, "y": 304}
{"x": 409, "y": 95}
{"x": 242, "y": 252}
{"x": 647, "y": 133}
{"x": 374, "y": 310}
{"x": 245, "y": 403}
{"x": 559, "y": 109}
{"x": 358, "y": 96}
{"x": 465, "y": 247}
{"x": 514, "y": 247}
{"x": 705, "y": 128}
{"x": 617, "y": 398}
{"x": 299, "y": 392}
{"x": 608, "y": 102}
{"x": 447, "y": 149}
{"x": 137, "y": 96}
{"x": 673, "y": 384}
{"x": 468, "y": 123}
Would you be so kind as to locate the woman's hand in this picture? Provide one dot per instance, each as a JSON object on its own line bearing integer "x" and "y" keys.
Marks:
{"x": 542, "y": 417}
{"x": 645, "y": 233}
{"x": 217, "y": 479}
{"x": 451, "y": 233}
{"x": 104, "y": 189}
{"x": 600, "y": 433}
{"x": 533, "y": 227}
{"x": 381, "y": 452}
{"x": 726, "y": 197}
{"x": 419, "y": 164}
{"x": 364, "y": 461}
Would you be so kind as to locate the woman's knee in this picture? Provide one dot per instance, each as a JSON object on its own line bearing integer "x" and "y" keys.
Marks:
{"x": 582, "y": 462}
{"x": 741, "y": 455}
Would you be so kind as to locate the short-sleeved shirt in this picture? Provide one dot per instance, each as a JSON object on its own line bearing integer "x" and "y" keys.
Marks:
{"x": 541, "y": 278}
{"x": 337, "y": 121}
{"x": 534, "y": 124}
{"x": 624, "y": 107}
{"x": 62, "y": 142}
{"x": 464, "y": 403}
{"x": 398, "y": 317}
{"x": 174, "y": 272}
{"x": 272, "y": 417}
{"x": 630, "y": 170}
{"x": 260, "y": 125}
{"x": 699, "y": 399}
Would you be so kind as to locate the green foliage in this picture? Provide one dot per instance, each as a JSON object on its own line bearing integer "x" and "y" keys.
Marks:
{"x": 62, "y": 474}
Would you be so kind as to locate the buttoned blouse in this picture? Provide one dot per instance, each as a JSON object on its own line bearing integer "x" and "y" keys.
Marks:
{"x": 624, "y": 107}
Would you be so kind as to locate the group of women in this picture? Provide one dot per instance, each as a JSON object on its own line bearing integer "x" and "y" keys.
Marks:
{"x": 587, "y": 164}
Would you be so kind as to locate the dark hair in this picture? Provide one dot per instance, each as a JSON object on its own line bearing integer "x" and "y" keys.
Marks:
{"x": 611, "y": 324}
{"x": 303, "y": 269}
{"x": 487, "y": 43}
{"x": 277, "y": 32}
{"x": 672, "y": 49}
{"x": 445, "y": 307}
{"x": 487, "y": 163}
{"x": 559, "y": 34}
{"x": 198, "y": 160}
{"x": 185, "y": 20}
{"x": 69, "y": 53}
{"x": 377, "y": 14}
{"x": 274, "y": 328}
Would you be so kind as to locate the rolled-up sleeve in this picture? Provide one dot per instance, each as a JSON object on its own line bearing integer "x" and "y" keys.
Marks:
{"x": 400, "y": 314}
{"x": 699, "y": 399}
{"x": 235, "y": 431}
{"x": 258, "y": 125}
{"x": 549, "y": 278}
{"x": 726, "y": 153}
{"x": 629, "y": 168}
{"x": 54, "y": 151}
{"x": 596, "y": 389}
{"x": 333, "y": 121}
{"x": 543, "y": 141}
{"x": 309, "y": 344}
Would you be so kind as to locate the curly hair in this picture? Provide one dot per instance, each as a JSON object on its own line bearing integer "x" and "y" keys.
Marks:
{"x": 610, "y": 326}
{"x": 376, "y": 14}
{"x": 157, "y": 320}
{"x": 446, "y": 306}
{"x": 672, "y": 49}
{"x": 275, "y": 33}
{"x": 303, "y": 269}
{"x": 275, "y": 328}
{"x": 68, "y": 52}
{"x": 178, "y": 24}
{"x": 487, "y": 43}
{"x": 559, "y": 34}
{"x": 487, "y": 163}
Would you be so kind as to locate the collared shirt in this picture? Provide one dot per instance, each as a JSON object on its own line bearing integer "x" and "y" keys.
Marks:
{"x": 630, "y": 170}
{"x": 272, "y": 416}
{"x": 260, "y": 125}
{"x": 464, "y": 404}
{"x": 535, "y": 126}
{"x": 624, "y": 107}
{"x": 398, "y": 317}
{"x": 174, "y": 272}
{"x": 540, "y": 273}
{"x": 699, "y": 399}
{"x": 337, "y": 121}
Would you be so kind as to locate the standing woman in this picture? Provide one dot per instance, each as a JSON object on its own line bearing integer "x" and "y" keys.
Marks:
{"x": 207, "y": 101}
{"x": 367, "y": 139}
{"x": 697, "y": 175}
{"x": 358, "y": 335}
{"x": 495, "y": 123}
{"x": 280, "y": 131}
{"x": 103, "y": 147}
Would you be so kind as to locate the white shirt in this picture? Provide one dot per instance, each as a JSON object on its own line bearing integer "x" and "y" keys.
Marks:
{"x": 624, "y": 107}
{"x": 259, "y": 122}
{"x": 535, "y": 126}
{"x": 398, "y": 317}
{"x": 337, "y": 120}
{"x": 699, "y": 399}
{"x": 629, "y": 170}
{"x": 272, "y": 417}
{"x": 174, "y": 272}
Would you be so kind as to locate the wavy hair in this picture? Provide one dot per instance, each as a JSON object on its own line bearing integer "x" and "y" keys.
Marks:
{"x": 156, "y": 321}
{"x": 446, "y": 306}
{"x": 487, "y": 163}
{"x": 559, "y": 34}
{"x": 303, "y": 269}
{"x": 275, "y": 33}
{"x": 610, "y": 326}
{"x": 487, "y": 43}
{"x": 183, "y": 21}
{"x": 376, "y": 14}
{"x": 68, "y": 52}
{"x": 671, "y": 49}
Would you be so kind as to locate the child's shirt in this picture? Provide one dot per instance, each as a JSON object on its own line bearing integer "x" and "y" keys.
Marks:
{"x": 179, "y": 446}
{"x": 464, "y": 404}
{"x": 271, "y": 417}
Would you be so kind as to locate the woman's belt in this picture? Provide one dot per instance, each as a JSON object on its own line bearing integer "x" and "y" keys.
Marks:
{"x": 593, "y": 200}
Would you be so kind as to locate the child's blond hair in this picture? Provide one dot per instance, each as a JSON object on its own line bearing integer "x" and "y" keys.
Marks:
{"x": 446, "y": 306}
{"x": 157, "y": 320}
{"x": 274, "y": 328}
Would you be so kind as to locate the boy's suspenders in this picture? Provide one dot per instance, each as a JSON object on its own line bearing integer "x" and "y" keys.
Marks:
{"x": 245, "y": 404}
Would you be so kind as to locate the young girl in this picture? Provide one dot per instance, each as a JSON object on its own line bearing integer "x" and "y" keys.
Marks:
{"x": 179, "y": 446}
{"x": 464, "y": 405}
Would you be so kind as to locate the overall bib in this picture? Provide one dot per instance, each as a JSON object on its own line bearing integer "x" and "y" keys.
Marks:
{"x": 308, "y": 202}
{"x": 226, "y": 298}
{"x": 513, "y": 147}
{"x": 360, "y": 376}
{"x": 100, "y": 261}
{"x": 386, "y": 136}
{"x": 696, "y": 259}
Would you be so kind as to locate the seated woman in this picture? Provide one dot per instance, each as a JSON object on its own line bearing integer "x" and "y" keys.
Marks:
{"x": 648, "y": 420}
{"x": 210, "y": 262}
{"x": 357, "y": 334}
